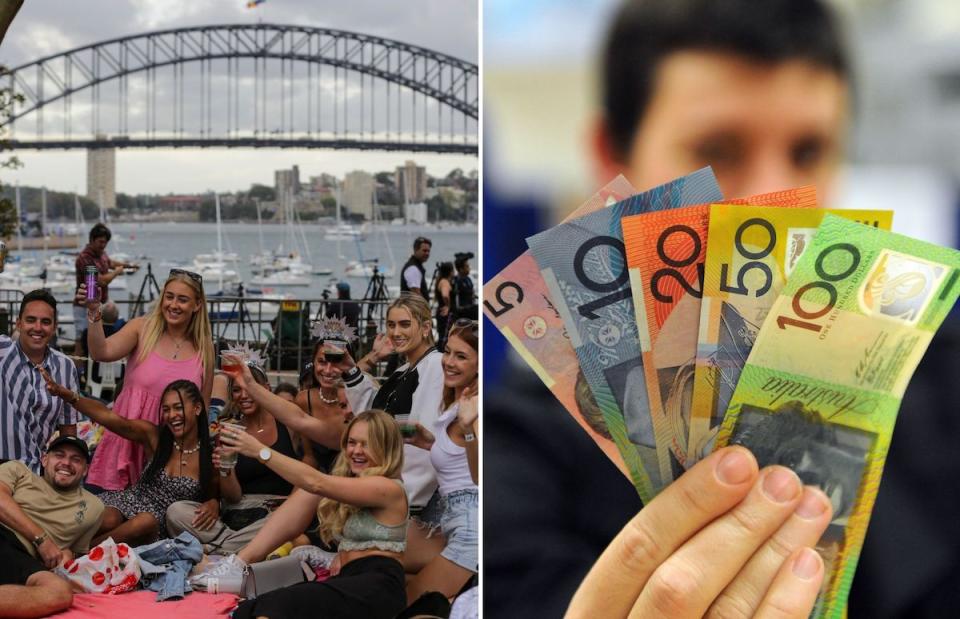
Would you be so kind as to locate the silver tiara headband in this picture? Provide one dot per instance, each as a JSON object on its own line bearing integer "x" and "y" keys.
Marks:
{"x": 246, "y": 354}
{"x": 333, "y": 329}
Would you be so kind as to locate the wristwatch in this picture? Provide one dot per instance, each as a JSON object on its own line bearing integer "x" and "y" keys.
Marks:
{"x": 265, "y": 454}
{"x": 469, "y": 436}
{"x": 39, "y": 540}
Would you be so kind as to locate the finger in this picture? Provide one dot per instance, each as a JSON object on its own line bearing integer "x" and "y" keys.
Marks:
{"x": 802, "y": 529}
{"x": 690, "y": 580}
{"x": 709, "y": 489}
{"x": 794, "y": 591}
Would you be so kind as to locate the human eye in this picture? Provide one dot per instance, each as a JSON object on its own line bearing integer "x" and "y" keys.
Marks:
{"x": 808, "y": 152}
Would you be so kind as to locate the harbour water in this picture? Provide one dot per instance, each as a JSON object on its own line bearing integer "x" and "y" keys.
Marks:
{"x": 170, "y": 245}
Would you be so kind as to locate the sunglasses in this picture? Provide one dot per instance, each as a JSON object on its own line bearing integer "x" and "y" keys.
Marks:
{"x": 464, "y": 323}
{"x": 194, "y": 276}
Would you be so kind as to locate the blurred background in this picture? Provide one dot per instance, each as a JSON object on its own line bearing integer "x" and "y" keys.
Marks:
{"x": 540, "y": 63}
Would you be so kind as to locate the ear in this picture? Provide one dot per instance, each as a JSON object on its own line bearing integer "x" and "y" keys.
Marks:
{"x": 606, "y": 163}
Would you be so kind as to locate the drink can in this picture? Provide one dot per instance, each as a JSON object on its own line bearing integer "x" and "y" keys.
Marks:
{"x": 90, "y": 274}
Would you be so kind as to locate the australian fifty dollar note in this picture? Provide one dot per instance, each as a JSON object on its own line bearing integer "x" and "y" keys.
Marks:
{"x": 516, "y": 301}
{"x": 823, "y": 383}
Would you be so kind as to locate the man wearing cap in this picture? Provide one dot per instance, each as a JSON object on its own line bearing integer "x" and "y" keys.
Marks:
{"x": 29, "y": 415}
{"x": 44, "y": 522}
{"x": 344, "y": 306}
{"x": 413, "y": 276}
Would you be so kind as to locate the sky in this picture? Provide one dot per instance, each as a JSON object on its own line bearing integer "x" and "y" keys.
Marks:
{"x": 45, "y": 27}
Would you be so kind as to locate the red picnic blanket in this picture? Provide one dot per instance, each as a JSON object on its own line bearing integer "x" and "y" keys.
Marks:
{"x": 144, "y": 605}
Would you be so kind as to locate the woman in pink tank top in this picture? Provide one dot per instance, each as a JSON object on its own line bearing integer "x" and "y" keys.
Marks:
{"x": 173, "y": 342}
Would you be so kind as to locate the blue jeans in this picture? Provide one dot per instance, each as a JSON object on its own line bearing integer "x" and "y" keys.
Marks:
{"x": 165, "y": 565}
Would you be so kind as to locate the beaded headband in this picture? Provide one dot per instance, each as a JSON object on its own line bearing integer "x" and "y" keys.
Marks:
{"x": 333, "y": 329}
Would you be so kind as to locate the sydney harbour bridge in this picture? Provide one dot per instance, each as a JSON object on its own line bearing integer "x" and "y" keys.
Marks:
{"x": 253, "y": 86}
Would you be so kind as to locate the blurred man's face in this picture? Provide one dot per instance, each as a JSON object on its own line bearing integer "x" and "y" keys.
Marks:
{"x": 762, "y": 127}
{"x": 422, "y": 253}
{"x": 99, "y": 245}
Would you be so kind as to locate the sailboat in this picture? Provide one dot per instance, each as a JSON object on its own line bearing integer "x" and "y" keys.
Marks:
{"x": 365, "y": 268}
{"x": 210, "y": 269}
{"x": 281, "y": 270}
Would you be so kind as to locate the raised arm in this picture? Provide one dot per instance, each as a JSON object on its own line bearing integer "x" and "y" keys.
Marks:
{"x": 286, "y": 412}
{"x": 138, "y": 430}
{"x": 373, "y": 491}
{"x": 469, "y": 420}
{"x": 117, "y": 346}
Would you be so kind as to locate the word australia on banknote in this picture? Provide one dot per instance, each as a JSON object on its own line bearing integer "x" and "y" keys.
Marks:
{"x": 751, "y": 252}
{"x": 583, "y": 264}
{"x": 821, "y": 389}
{"x": 665, "y": 255}
{"x": 516, "y": 301}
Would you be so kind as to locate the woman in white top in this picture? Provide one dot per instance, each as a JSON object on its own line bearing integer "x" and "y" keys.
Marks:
{"x": 415, "y": 388}
{"x": 453, "y": 449}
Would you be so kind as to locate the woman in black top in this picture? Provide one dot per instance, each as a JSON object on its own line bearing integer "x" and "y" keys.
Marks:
{"x": 323, "y": 398}
{"x": 249, "y": 491}
{"x": 442, "y": 292}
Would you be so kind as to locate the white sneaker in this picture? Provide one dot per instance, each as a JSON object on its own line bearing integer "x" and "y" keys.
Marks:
{"x": 224, "y": 576}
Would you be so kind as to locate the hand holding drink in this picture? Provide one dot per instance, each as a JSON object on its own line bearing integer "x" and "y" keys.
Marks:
{"x": 228, "y": 457}
{"x": 406, "y": 427}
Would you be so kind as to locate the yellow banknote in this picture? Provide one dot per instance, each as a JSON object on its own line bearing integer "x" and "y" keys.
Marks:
{"x": 752, "y": 251}
{"x": 821, "y": 388}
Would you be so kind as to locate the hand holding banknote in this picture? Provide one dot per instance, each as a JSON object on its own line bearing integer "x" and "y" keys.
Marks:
{"x": 723, "y": 540}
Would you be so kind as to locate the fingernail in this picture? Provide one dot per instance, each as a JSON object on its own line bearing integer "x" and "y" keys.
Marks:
{"x": 781, "y": 484}
{"x": 735, "y": 467}
{"x": 807, "y": 564}
{"x": 812, "y": 505}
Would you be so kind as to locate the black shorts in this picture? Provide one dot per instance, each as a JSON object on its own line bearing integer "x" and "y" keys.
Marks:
{"x": 16, "y": 564}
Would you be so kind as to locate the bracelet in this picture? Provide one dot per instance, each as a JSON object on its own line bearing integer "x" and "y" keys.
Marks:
{"x": 75, "y": 398}
{"x": 96, "y": 319}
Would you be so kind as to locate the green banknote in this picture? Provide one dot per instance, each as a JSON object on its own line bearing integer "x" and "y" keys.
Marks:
{"x": 823, "y": 382}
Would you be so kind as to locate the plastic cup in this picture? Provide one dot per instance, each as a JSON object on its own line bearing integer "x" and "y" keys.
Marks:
{"x": 406, "y": 427}
{"x": 228, "y": 461}
{"x": 231, "y": 364}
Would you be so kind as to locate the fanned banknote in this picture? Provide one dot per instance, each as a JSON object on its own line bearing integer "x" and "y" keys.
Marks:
{"x": 665, "y": 255}
{"x": 584, "y": 267}
{"x": 822, "y": 386}
{"x": 752, "y": 251}
{"x": 516, "y": 301}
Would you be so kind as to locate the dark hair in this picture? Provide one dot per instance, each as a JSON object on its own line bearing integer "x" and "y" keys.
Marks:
{"x": 644, "y": 32}
{"x": 420, "y": 240}
{"x": 165, "y": 441}
{"x": 99, "y": 231}
{"x": 286, "y": 388}
{"x": 444, "y": 270}
{"x": 41, "y": 294}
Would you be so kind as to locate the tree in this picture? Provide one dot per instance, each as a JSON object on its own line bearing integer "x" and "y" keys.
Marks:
{"x": 262, "y": 192}
{"x": 384, "y": 178}
{"x": 8, "y": 211}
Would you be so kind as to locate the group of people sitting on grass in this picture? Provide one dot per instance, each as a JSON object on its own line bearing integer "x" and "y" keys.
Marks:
{"x": 381, "y": 477}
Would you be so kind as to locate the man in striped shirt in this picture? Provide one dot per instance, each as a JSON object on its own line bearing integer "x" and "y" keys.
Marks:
{"x": 28, "y": 414}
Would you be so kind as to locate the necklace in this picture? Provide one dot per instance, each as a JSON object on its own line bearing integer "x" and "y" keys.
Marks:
{"x": 333, "y": 400}
{"x": 185, "y": 452}
{"x": 176, "y": 351}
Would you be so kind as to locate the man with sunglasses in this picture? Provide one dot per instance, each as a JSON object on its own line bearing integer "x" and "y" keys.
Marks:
{"x": 413, "y": 276}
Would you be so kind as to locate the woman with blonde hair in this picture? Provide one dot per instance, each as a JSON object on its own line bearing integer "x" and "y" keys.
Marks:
{"x": 173, "y": 342}
{"x": 363, "y": 507}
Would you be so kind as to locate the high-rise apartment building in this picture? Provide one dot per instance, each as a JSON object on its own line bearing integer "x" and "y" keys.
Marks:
{"x": 411, "y": 181}
{"x": 358, "y": 188}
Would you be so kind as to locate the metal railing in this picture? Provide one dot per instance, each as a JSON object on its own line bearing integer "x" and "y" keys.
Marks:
{"x": 278, "y": 328}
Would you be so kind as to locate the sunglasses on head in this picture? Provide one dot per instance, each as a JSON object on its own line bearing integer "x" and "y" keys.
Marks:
{"x": 194, "y": 276}
{"x": 464, "y": 323}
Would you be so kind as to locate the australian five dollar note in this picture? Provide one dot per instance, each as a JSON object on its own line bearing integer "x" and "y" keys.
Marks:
{"x": 583, "y": 264}
{"x": 823, "y": 383}
{"x": 665, "y": 256}
{"x": 752, "y": 251}
{"x": 516, "y": 301}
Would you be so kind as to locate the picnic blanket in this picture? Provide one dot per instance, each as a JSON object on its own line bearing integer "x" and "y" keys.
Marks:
{"x": 143, "y": 605}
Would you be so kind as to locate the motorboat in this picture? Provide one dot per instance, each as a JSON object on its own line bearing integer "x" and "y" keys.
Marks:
{"x": 345, "y": 232}
{"x": 356, "y": 268}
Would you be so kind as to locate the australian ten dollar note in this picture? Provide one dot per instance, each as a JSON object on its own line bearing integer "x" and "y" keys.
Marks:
{"x": 516, "y": 301}
{"x": 751, "y": 252}
{"x": 665, "y": 255}
{"x": 822, "y": 386}
{"x": 583, "y": 263}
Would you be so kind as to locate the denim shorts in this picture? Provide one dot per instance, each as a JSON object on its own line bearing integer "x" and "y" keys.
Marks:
{"x": 460, "y": 527}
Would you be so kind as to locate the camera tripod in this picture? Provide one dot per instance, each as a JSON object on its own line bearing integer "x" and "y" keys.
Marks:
{"x": 150, "y": 286}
